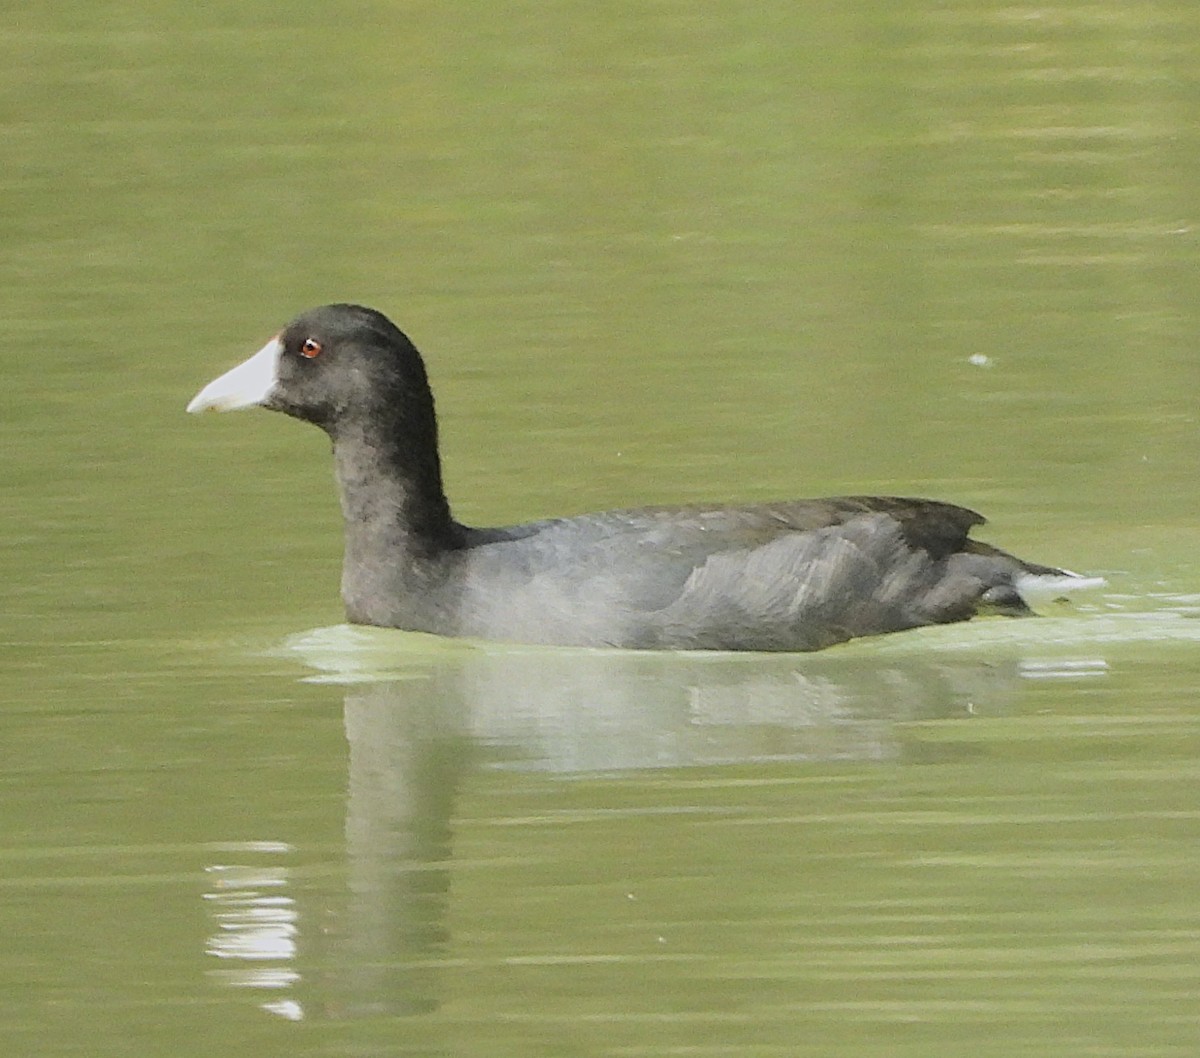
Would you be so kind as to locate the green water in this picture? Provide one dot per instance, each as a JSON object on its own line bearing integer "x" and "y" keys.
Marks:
{"x": 653, "y": 253}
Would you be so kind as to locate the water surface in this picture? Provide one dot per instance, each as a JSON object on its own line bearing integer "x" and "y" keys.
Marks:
{"x": 653, "y": 254}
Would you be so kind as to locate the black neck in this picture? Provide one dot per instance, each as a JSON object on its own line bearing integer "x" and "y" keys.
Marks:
{"x": 391, "y": 493}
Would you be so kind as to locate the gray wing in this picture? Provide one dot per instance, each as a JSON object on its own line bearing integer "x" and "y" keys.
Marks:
{"x": 794, "y": 576}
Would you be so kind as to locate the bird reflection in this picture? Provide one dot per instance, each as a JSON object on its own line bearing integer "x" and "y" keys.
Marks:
{"x": 420, "y": 714}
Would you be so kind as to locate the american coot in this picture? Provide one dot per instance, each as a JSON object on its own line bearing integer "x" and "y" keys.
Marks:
{"x": 799, "y": 575}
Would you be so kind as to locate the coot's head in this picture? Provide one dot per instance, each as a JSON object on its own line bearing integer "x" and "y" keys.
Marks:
{"x": 337, "y": 366}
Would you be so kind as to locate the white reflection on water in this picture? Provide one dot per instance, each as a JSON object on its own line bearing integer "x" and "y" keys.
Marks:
{"x": 256, "y": 927}
{"x": 1063, "y": 669}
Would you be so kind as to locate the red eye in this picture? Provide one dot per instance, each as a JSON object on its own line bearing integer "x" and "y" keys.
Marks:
{"x": 310, "y": 348}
